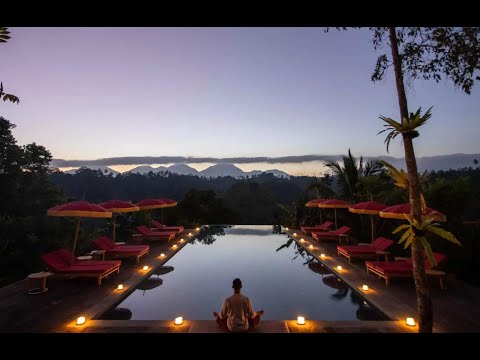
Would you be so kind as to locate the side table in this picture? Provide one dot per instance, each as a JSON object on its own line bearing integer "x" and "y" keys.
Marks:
{"x": 381, "y": 252}
{"x": 97, "y": 254}
{"x": 37, "y": 282}
{"x": 137, "y": 238}
{"x": 441, "y": 275}
{"x": 342, "y": 236}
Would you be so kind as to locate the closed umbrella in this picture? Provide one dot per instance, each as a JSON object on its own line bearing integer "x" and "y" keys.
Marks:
{"x": 369, "y": 208}
{"x": 118, "y": 207}
{"x": 334, "y": 204}
{"x": 79, "y": 209}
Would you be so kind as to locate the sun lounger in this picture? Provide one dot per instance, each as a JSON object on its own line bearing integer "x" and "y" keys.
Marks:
{"x": 155, "y": 235}
{"x": 332, "y": 235}
{"x": 113, "y": 250}
{"x": 388, "y": 270}
{"x": 161, "y": 227}
{"x": 349, "y": 251}
{"x": 324, "y": 227}
{"x": 60, "y": 262}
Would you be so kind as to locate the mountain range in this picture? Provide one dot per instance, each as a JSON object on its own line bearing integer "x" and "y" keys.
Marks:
{"x": 183, "y": 169}
{"x": 440, "y": 162}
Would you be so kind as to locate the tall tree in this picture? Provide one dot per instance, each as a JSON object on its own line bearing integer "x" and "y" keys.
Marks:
{"x": 350, "y": 173}
{"x": 424, "y": 53}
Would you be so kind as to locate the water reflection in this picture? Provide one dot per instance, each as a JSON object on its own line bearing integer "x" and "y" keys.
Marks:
{"x": 364, "y": 312}
{"x": 318, "y": 268}
{"x": 207, "y": 234}
{"x": 277, "y": 229}
{"x": 271, "y": 270}
{"x": 117, "y": 314}
{"x": 163, "y": 270}
{"x": 286, "y": 245}
{"x": 149, "y": 284}
{"x": 298, "y": 251}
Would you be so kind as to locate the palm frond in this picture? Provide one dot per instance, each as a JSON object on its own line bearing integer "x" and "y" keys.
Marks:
{"x": 4, "y": 34}
{"x": 399, "y": 176}
{"x": 428, "y": 251}
{"x": 400, "y": 228}
{"x": 444, "y": 234}
{"x": 405, "y": 235}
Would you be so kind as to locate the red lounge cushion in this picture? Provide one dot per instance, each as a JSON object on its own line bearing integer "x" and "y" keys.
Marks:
{"x": 392, "y": 267}
{"x": 161, "y": 226}
{"x": 146, "y": 231}
{"x": 108, "y": 263}
{"x": 131, "y": 247}
{"x": 126, "y": 251}
{"x": 354, "y": 247}
{"x": 109, "y": 244}
{"x": 66, "y": 256}
{"x": 54, "y": 262}
{"x": 101, "y": 244}
{"x": 361, "y": 250}
{"x": 384, "y": 245}
{"x": 90, "y": 269}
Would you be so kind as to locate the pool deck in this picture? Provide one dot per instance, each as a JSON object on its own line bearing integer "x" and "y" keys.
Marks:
{"x": 455, "y": 308}
{"x": 57, "y": 309}
{"x": 66, "y": 299}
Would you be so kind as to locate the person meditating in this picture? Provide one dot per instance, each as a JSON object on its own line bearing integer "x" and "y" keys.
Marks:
{"x": 237, "y": 314}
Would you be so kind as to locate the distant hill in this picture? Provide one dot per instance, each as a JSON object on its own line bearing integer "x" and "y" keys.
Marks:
{"x": 222, "y": 170}
{"x": 104, "y": 169}
{"x": 182, "y": 169}
{"x": 145, "y": 169}
{"x": 278, "y": 173}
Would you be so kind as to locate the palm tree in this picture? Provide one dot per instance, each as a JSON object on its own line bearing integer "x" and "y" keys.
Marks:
{"x": 350, "y": 173}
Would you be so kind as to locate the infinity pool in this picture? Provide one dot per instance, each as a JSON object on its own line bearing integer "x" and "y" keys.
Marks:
{"x": 278, "y": 276}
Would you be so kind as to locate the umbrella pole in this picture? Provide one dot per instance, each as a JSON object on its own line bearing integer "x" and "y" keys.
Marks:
{"x": 113, "y": 227}
{"x": 321, "y": 222}
{"x": 77, "y": 227}
{"x": 336, "y": 227}
{"x": 373, "y": 230}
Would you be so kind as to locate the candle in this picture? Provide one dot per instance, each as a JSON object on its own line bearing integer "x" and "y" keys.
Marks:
{"x": 410, "y": 321}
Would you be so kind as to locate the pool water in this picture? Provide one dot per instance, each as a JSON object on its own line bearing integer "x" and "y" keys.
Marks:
{"x": 278, "y": 276}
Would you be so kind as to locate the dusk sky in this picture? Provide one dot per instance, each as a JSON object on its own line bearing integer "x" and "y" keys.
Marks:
{"x": 89, "y": 93}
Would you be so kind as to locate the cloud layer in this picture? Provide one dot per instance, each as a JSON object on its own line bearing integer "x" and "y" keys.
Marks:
{"x": 133, "y": 160}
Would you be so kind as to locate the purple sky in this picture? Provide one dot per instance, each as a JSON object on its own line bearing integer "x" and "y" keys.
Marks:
{"x": 89, "y": 93}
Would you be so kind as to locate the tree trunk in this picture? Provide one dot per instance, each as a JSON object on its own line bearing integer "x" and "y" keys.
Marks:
{"x": 424, "y": 302}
